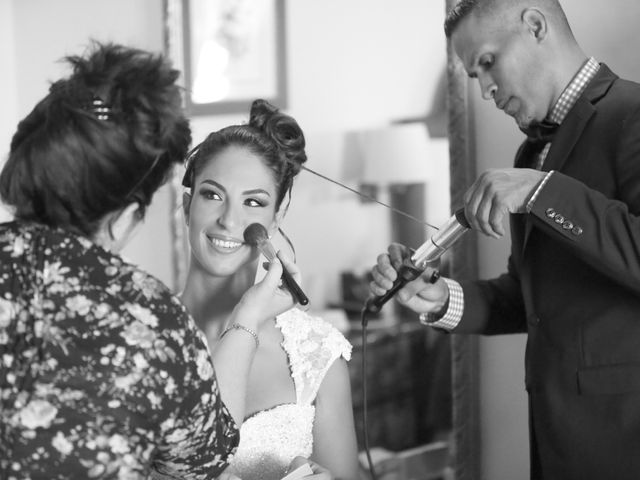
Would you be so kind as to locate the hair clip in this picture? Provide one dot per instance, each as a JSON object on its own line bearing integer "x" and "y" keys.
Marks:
{"x": 100, "y": 110}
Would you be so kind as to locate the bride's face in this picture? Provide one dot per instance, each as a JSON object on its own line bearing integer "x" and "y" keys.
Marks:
{"x": 233, "y": 190}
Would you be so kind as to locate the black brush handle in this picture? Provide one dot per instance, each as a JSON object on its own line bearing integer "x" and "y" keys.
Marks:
{"x": 293, "y": 287}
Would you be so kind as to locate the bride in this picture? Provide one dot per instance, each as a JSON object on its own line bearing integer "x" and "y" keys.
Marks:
{"x": 298, "y": 398}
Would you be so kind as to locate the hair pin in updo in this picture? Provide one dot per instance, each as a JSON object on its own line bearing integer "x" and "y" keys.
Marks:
{"x": 99, "y": 109}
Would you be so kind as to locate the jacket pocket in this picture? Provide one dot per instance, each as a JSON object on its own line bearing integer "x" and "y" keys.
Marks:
{"x": 609, "y": 379}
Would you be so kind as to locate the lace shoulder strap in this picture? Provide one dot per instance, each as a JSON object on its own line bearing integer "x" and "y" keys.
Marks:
{"x": 312, "y": 345}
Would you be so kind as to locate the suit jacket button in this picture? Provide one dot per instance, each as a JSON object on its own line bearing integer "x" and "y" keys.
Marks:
{"x": 550, "y": 212}
{"x": 567, "y": 225}
{"x": 576, "y": 230}
{"x": 558, "y": 218}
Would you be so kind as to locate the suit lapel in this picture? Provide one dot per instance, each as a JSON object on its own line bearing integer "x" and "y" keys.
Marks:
{"x": 572, "y": 127}
{"x": 568, "y": 134}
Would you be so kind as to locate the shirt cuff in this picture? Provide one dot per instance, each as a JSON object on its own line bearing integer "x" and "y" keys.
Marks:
{"x": 453, "y": 315}
{"x": 533, "y": 198}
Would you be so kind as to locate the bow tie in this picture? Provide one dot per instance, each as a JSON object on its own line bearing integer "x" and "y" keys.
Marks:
{"x": 541, "y": 132}
{"x": 538, "y": 135}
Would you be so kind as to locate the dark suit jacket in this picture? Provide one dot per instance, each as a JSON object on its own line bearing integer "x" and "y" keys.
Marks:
{"x": 573, "y": 284}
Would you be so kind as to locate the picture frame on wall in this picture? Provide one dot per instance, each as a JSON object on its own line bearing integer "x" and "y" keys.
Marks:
{"x": 230, "y": 52}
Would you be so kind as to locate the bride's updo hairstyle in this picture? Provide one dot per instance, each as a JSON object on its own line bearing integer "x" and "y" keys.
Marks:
{"x": 270, "y": 134}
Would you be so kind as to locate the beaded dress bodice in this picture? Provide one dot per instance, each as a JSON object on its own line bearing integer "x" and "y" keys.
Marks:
{"x": 270, "y": 439}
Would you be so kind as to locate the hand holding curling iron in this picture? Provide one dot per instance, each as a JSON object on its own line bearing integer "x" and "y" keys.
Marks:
{"x": 407, "y": 274}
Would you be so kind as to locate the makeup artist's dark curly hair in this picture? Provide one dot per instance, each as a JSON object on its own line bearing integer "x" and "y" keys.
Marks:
{"x": 104, "y": 137}
{"x": 270, "y": 134}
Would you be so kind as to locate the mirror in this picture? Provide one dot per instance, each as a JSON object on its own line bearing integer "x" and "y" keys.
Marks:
{"x": 358, "y": 74}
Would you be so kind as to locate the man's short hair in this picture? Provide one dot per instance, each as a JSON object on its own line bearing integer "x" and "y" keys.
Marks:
{"x": 464, "y": 8}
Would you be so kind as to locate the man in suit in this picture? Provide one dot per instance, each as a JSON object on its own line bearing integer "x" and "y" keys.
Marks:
{"x": 573, "y": 197}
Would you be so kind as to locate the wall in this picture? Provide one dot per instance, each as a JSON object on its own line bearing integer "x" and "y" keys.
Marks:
{"x": 8, "y": 112}
{"x": 608, "y": 31}
{"x": 387, "y": 70}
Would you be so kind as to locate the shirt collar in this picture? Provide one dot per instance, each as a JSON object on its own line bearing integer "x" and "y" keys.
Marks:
{"x": 573, "y": 91}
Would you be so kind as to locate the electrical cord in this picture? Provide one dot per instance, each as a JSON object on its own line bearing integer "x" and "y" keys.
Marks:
{"x": 366, "y": 309}
{"x": 365, "y": 429}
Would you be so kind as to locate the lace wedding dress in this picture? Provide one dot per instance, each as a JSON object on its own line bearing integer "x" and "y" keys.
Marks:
{"x": 270, "y": 439}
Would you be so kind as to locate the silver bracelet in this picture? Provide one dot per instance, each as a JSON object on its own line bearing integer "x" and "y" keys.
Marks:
{"x": 237, "y": 326}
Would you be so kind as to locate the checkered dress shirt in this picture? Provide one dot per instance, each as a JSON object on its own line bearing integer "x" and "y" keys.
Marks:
{"x": 567, "y": 100}
{"x": 454, "y": 311}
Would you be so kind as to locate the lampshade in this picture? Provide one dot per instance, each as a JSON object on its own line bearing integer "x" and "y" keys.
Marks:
{"x": 399, "y": 154}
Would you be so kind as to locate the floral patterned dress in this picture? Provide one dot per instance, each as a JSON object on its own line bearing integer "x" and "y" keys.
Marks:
{"x": 103, "y": 374}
